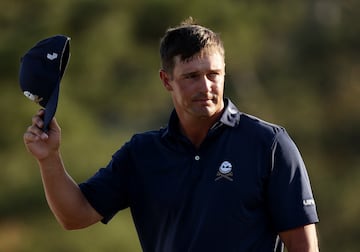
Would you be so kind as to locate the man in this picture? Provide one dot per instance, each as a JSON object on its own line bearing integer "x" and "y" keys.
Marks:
{"x": 214, "y": 179}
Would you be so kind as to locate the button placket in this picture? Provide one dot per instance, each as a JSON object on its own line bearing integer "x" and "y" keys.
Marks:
{"x": 196, "y": 171}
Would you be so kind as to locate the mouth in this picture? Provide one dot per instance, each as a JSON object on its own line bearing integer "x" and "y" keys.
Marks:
{"x": 204, "y": 99}
{"x": 204, "y": 102}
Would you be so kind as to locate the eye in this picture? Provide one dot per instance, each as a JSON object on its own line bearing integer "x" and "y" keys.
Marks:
{"x": 191, "y": 76}
{"x": 213, "y": 75}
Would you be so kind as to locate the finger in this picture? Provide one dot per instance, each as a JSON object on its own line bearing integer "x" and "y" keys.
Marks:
{"x": 29, "y": 137}
{"x": 34, "y": 133}
{"x": 54, "y": 125}
{"x": 37, "y": 120}
{"x": 41, "y": 112}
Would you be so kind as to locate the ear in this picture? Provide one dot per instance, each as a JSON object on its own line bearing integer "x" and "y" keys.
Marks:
{"x": 165, "y": 78}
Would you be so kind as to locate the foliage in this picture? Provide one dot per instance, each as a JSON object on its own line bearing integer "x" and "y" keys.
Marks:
{"x": 294, "y": 63}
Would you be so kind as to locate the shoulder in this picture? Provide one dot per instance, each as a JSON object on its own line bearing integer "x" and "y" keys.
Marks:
{"x": 259, "y": 128}
{"x": 151, "y": 135}
{"x": 146, "y": 140}
{"x": 246, "y": 123}
{"x": 140, "y": 144}
{"x": 259, "y": 124}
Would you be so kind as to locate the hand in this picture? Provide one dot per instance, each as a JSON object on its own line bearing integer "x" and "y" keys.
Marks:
{"x": 40, "y": 144}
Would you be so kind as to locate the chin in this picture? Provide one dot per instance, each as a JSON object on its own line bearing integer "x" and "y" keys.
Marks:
{"x": 206, "y": 112}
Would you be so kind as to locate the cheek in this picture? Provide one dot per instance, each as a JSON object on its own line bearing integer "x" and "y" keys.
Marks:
{"x": 185, "y": 88}
{"x": 218, "y": 87}
{"x": 179, "y": 92}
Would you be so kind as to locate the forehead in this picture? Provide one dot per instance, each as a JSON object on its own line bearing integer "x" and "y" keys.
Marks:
{"x": 199, "y": 62}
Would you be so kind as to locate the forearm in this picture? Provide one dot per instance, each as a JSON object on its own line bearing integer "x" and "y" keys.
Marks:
{"x": 64, "y": 197}
{"x": 303, "y": 248}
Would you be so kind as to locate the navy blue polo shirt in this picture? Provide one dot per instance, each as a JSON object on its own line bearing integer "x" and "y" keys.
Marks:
{"x": 243, "y": 185}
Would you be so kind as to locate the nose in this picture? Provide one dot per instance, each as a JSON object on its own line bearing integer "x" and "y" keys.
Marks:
{"x": 205, "y": 84}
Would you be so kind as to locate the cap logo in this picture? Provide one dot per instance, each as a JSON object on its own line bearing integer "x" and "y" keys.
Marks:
{"x": 225, "y": 171}
{"x": 52, "y": 56}
{"x": 34, "y": 98}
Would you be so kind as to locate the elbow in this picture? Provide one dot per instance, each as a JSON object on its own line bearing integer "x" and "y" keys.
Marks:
{"x": 68, "y": 224}
{"x": 69, "y": 227}
{"x": 78, "y": 220}
{"x": 301, "y": 239}
{"x": 75, "y": 223}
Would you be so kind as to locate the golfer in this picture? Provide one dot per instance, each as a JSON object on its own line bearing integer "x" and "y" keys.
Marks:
{"x": 214, "y": 179}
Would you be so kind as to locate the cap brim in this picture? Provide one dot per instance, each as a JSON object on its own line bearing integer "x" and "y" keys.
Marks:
{"x": 51, "y": 107}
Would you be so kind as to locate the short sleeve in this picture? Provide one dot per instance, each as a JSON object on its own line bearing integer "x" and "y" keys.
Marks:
{"x": 290, "y": 196}
{"x": 107, "y": 190}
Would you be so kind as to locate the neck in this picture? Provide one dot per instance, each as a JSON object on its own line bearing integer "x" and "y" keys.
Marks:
{"x": 196, "y": 130}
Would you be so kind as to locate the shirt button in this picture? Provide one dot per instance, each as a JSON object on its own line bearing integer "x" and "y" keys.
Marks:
{"x": 197, "y": 158}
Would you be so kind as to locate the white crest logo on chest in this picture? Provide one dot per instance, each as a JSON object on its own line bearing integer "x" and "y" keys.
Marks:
{"x": 225, "y": 171}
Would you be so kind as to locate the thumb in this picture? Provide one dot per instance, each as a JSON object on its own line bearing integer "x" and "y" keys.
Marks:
{"x": 54, "y": 126}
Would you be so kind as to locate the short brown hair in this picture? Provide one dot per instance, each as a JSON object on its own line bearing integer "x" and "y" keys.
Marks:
{"x": 185, "y": 41}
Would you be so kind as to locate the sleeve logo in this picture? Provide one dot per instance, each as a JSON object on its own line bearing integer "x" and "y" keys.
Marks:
{"x": 309, "y": 202}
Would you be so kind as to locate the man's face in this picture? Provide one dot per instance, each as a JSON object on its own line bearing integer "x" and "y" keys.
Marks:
{"x": 197, "y": 85}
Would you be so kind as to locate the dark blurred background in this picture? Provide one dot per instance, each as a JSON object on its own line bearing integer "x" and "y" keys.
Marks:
{"x": 294, "y": 63}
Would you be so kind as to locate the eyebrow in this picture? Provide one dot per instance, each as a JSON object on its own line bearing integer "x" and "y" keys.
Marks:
{"x": 190, "y": 73}
{"x": 207, "y": 71}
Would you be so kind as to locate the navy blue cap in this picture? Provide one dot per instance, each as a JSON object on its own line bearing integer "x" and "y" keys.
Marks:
{"x": 41, "y": 70}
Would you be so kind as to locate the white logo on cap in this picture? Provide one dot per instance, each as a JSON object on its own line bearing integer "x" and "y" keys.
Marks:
{"x": 34, "y": 98}
{"x": 52, "y": 56}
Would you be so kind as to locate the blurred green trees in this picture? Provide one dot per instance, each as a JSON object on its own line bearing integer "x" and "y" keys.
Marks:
{"x": 295, "y": 63}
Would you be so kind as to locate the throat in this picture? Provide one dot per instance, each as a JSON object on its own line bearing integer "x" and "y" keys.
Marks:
{"x": 196, "y": 133}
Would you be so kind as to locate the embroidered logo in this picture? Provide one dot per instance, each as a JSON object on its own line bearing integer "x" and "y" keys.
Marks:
{"x": 225, "y": 171}
{"x": 309, "y": 202}
{"x": 52, "y": 56}
{"x": 33, "y": 97}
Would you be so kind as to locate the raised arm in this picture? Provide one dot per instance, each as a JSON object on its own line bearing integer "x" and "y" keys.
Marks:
{"x": 63, "y": 195}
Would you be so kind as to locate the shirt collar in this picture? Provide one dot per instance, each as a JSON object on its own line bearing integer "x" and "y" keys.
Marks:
{"x": 231, "y": 114}
{"x": 229, "y": 117}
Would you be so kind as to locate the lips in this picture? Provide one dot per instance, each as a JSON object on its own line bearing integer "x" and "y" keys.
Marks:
{"x": 203, "y": 98}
